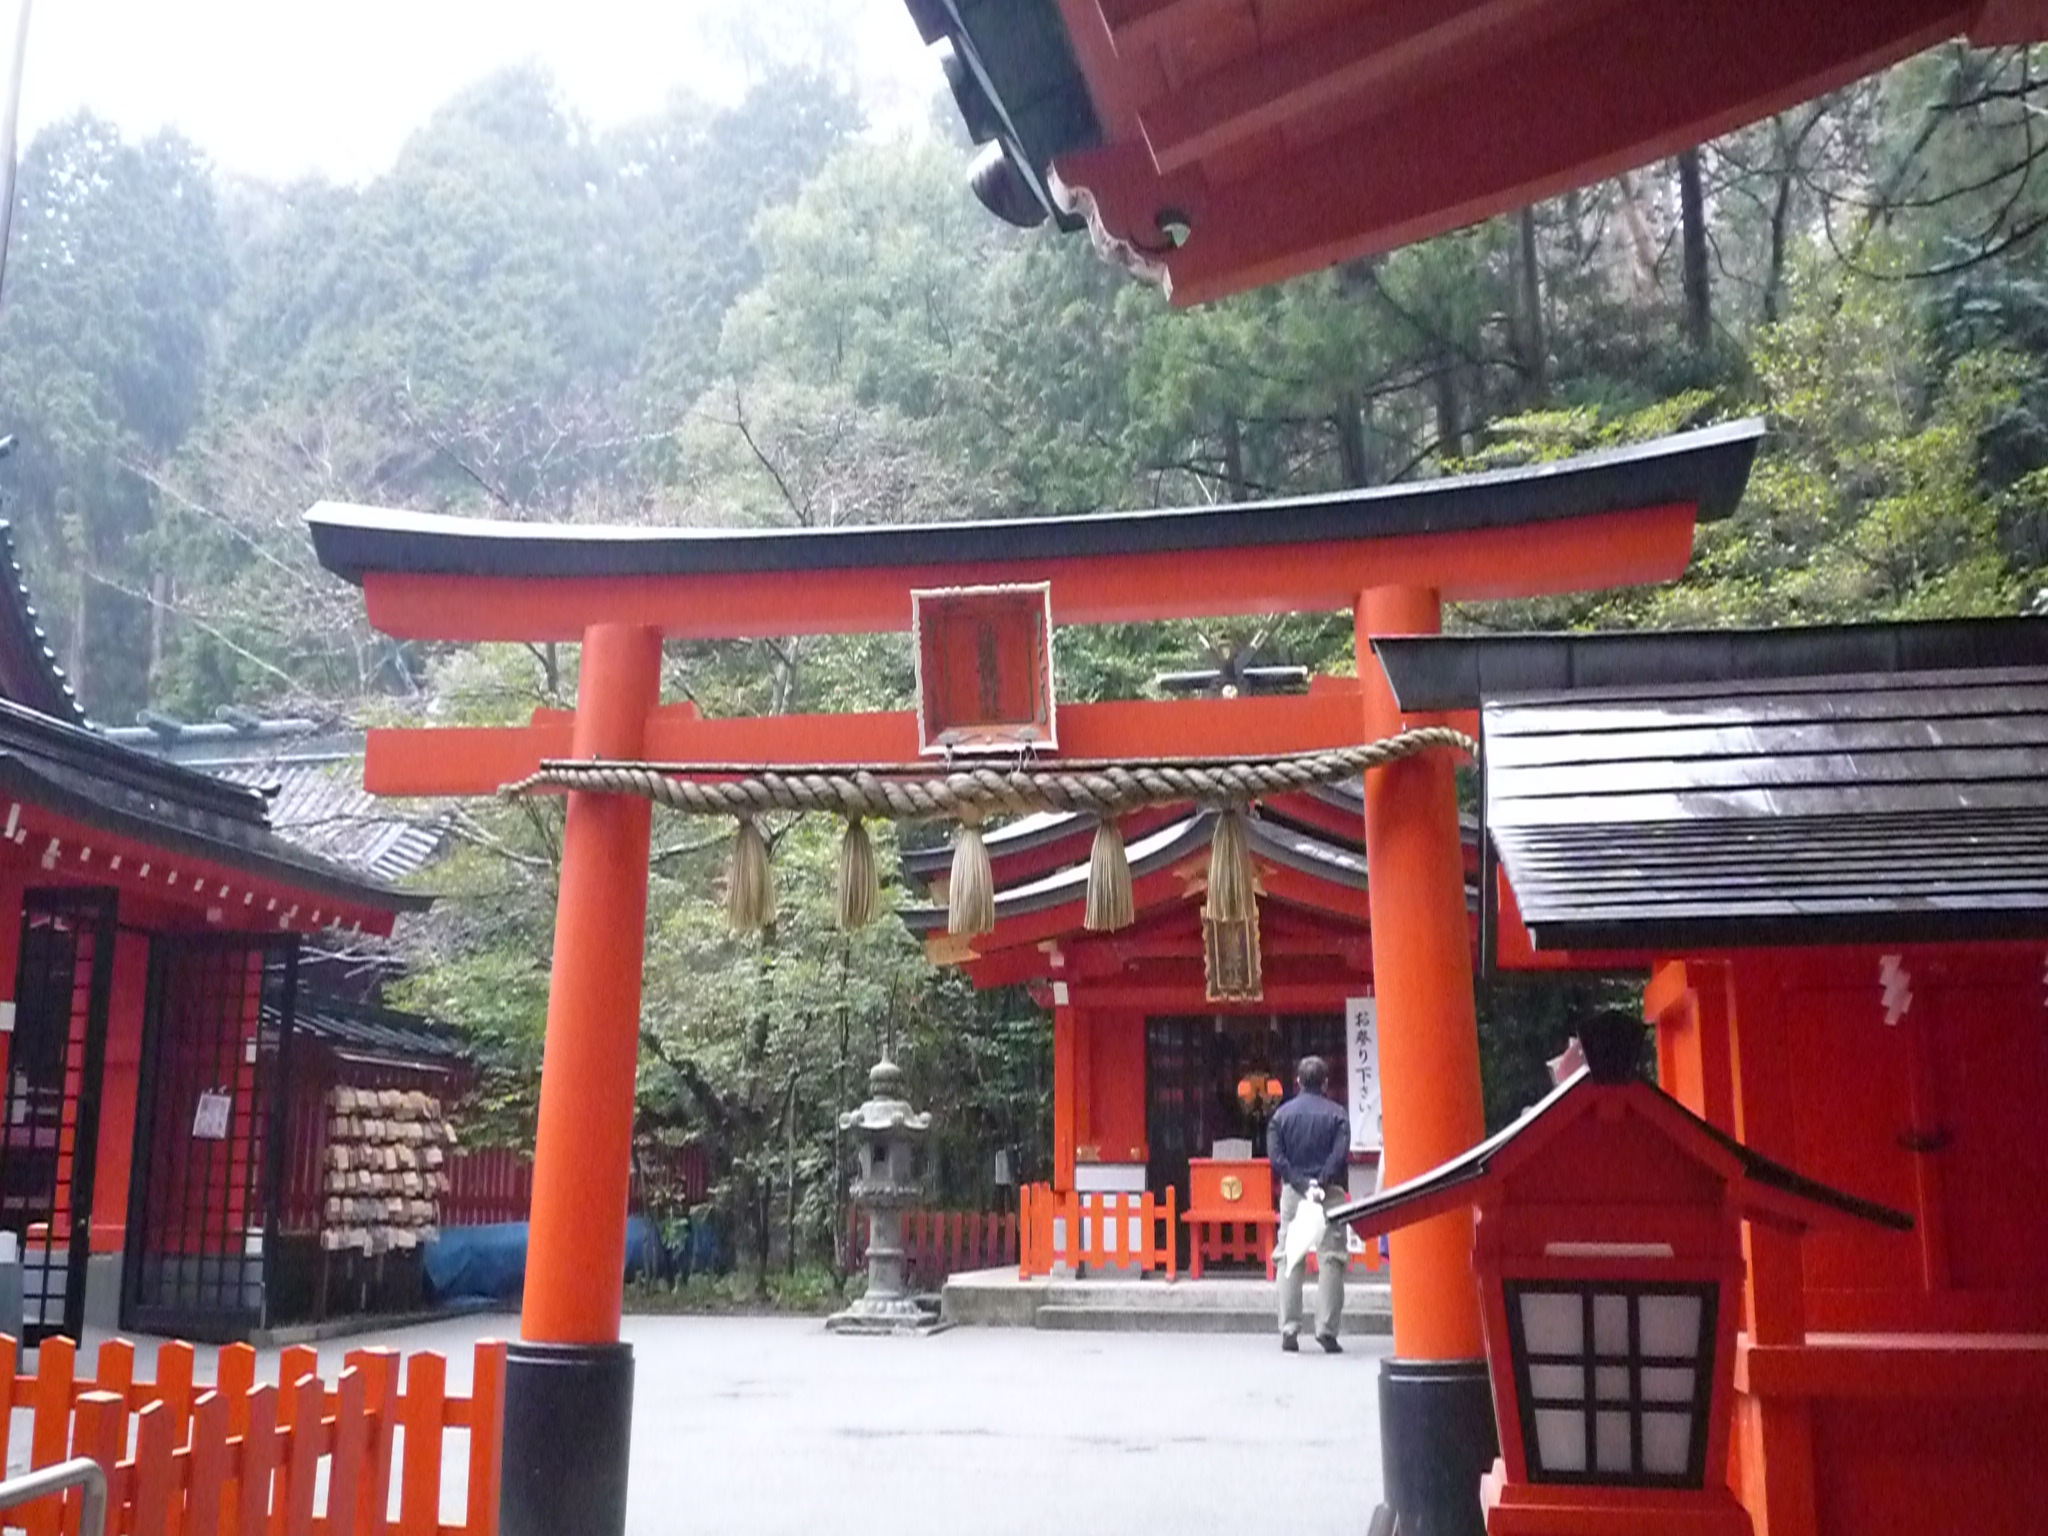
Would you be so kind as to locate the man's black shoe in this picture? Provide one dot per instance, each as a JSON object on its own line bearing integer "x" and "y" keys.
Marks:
{"x": 1291, "y": 1343}
{"x": 1329, "y": 1343}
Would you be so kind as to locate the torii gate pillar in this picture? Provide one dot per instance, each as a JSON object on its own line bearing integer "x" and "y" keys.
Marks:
{"x": 569, "y": 1381}
{"x": 1437, "y": 1435}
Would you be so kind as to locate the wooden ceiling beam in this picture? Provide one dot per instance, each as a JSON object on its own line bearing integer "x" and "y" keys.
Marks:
{"x": 1386, "y": 52}
{"x": 2003, "y": 23}
{"x": 1136, "y": 26}
{"x": 1522, "y": 129}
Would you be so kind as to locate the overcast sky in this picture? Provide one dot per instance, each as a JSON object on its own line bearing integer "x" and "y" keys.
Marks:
{"x": 281, "y": 88}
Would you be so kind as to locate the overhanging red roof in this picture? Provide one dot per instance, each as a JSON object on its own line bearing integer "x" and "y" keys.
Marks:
{"x": 1225, "y": 144}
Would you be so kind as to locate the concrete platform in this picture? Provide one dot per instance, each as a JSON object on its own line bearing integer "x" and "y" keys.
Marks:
{"x": 996, "y": 1298}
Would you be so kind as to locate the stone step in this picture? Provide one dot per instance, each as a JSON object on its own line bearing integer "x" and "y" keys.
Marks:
{"x": 1239, "y": 1319}
{"x": 1216, "y": 1303}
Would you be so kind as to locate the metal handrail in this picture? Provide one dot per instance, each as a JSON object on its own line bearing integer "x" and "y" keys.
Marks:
{"x": 79, "y": 1472}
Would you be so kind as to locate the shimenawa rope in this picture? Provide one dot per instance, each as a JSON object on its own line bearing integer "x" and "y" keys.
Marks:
{"x": 972, "y": 793}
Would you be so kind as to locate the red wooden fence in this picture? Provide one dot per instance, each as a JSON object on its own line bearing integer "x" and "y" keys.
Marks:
{"x": 1061, "y": 1228}
{"x": 243, "y": 1459}
{"x": 493, "y": 1184}
{"x": 942, "y": 1243}
{"x": 487, "y": 1185}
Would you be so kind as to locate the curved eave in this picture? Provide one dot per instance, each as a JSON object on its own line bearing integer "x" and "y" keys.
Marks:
{"x": 251, "y": 850}
{"x": 28, "y": 667}
{"x": 1341, "y": 869}
{"x": 1707, "y": 469}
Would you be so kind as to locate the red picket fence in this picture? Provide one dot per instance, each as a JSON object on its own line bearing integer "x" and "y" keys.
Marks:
{"x": 1104, "y": 1231}
{"x": 943, "y": 1243}
{"x": 242, "y": 1459}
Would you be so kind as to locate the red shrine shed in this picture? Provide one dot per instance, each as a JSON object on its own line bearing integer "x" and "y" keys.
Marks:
{"x": 150, "y": 929}
{"x": 1829, "y": 850}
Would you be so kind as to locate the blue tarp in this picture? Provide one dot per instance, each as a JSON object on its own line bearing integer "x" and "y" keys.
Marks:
{"x": 468, "y": 1264}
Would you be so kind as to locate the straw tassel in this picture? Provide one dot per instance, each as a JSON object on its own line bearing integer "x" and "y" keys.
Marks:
{"x": 860, "y": 884}
{"x": 1232, "y": 893}
{"x": 971, "y": 893}
{"x": 750, "y": 889}
{"x": 1110, "y": 903}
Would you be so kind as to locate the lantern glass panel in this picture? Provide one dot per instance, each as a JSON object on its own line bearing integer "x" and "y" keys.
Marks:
{"x": 1561, "y": 1439}
{"x": 1610, "y": 1325}
{"x": 1612, "y": 1451}
{"x": 1558, "y": 1383}
{"x": 1667, "y": 1443}
{"x": 1554, "y": 1323}
{"x": 1614, "y": 1380}
{"x": 1667, "y": 1384}
{"x": 1671, "y": 1325}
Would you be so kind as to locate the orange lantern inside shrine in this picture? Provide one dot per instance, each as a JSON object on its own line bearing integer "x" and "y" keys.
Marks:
{"x": 1608, "y": 1251}
{"x": 1259, "y": 1094}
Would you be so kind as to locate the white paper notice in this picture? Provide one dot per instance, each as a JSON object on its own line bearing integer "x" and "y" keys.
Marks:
{"x": 1362, "y": 1052}
{"x": 210, "y": 1120}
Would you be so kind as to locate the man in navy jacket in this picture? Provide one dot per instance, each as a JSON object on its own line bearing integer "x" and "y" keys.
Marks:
{"x": 1309, "y": 1143}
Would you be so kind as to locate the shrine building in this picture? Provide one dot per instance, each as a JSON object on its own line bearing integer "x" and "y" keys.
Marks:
{"x": 155, "y": 1016}
{"x": 1159, "y": 1060}
{"x": 1827, "y": 848}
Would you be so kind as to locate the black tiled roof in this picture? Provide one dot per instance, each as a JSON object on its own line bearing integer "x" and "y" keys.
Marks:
{"x": 79, "y": 774}
{"x": 29, "y": 674}
{"x": 1014, "y": 79}
{"x": 1707, "y": 469}
{"x": 1877, "y": 807}
{"x": 313, "y": 783}
{"x": 1278, "y": 842}
{"x": 383, "y": 1032}
{"x": 1433, "y": 672}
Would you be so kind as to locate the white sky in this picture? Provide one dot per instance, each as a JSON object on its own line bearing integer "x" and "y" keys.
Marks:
{"x": 281, "y": 88}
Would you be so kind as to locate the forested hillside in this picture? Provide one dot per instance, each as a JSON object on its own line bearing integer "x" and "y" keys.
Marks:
{"x": 767, "y": 313}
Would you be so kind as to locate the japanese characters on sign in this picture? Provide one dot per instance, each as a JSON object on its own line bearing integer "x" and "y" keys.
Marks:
{"x": 1362, "y": 1056}
{"x": 984, "y": 669}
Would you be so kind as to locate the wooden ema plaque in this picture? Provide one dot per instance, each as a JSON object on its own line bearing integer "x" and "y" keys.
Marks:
{"x": 984, "y": 669}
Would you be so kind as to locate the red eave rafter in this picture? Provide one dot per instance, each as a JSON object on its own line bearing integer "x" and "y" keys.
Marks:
{"x": 1618, "y": 87}
{"x": 1612, "y": 549}
{"x": 55, "y": 848}
{"x": 1384, "y": 53}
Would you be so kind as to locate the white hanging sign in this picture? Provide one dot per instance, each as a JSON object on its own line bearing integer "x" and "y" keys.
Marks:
{"x": 210, "y": 1120}
{"x": 1362, "y": 1057}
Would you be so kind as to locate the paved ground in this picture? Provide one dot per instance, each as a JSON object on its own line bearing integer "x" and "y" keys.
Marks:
{"x": 772, "y": 1427}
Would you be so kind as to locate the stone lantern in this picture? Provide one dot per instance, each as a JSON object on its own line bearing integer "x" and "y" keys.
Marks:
{"x": 888, "y": 1137}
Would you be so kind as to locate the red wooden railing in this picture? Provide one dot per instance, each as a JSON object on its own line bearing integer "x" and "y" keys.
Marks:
{"x": 1060, "y": 1227}
{"x": 943, "y": 1243}
{"x": 243, "y": 1459}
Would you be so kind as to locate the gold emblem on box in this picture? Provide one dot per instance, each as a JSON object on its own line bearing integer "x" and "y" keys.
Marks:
{"x": 1232, "y": 1187}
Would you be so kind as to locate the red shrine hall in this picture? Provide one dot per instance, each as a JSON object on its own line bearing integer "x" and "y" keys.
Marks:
{"x": 155, "y": 1017}
{"x": 1169, "y": 1058}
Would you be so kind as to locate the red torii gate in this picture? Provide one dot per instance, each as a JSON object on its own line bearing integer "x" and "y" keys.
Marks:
{"x": 1392, "y": 556}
